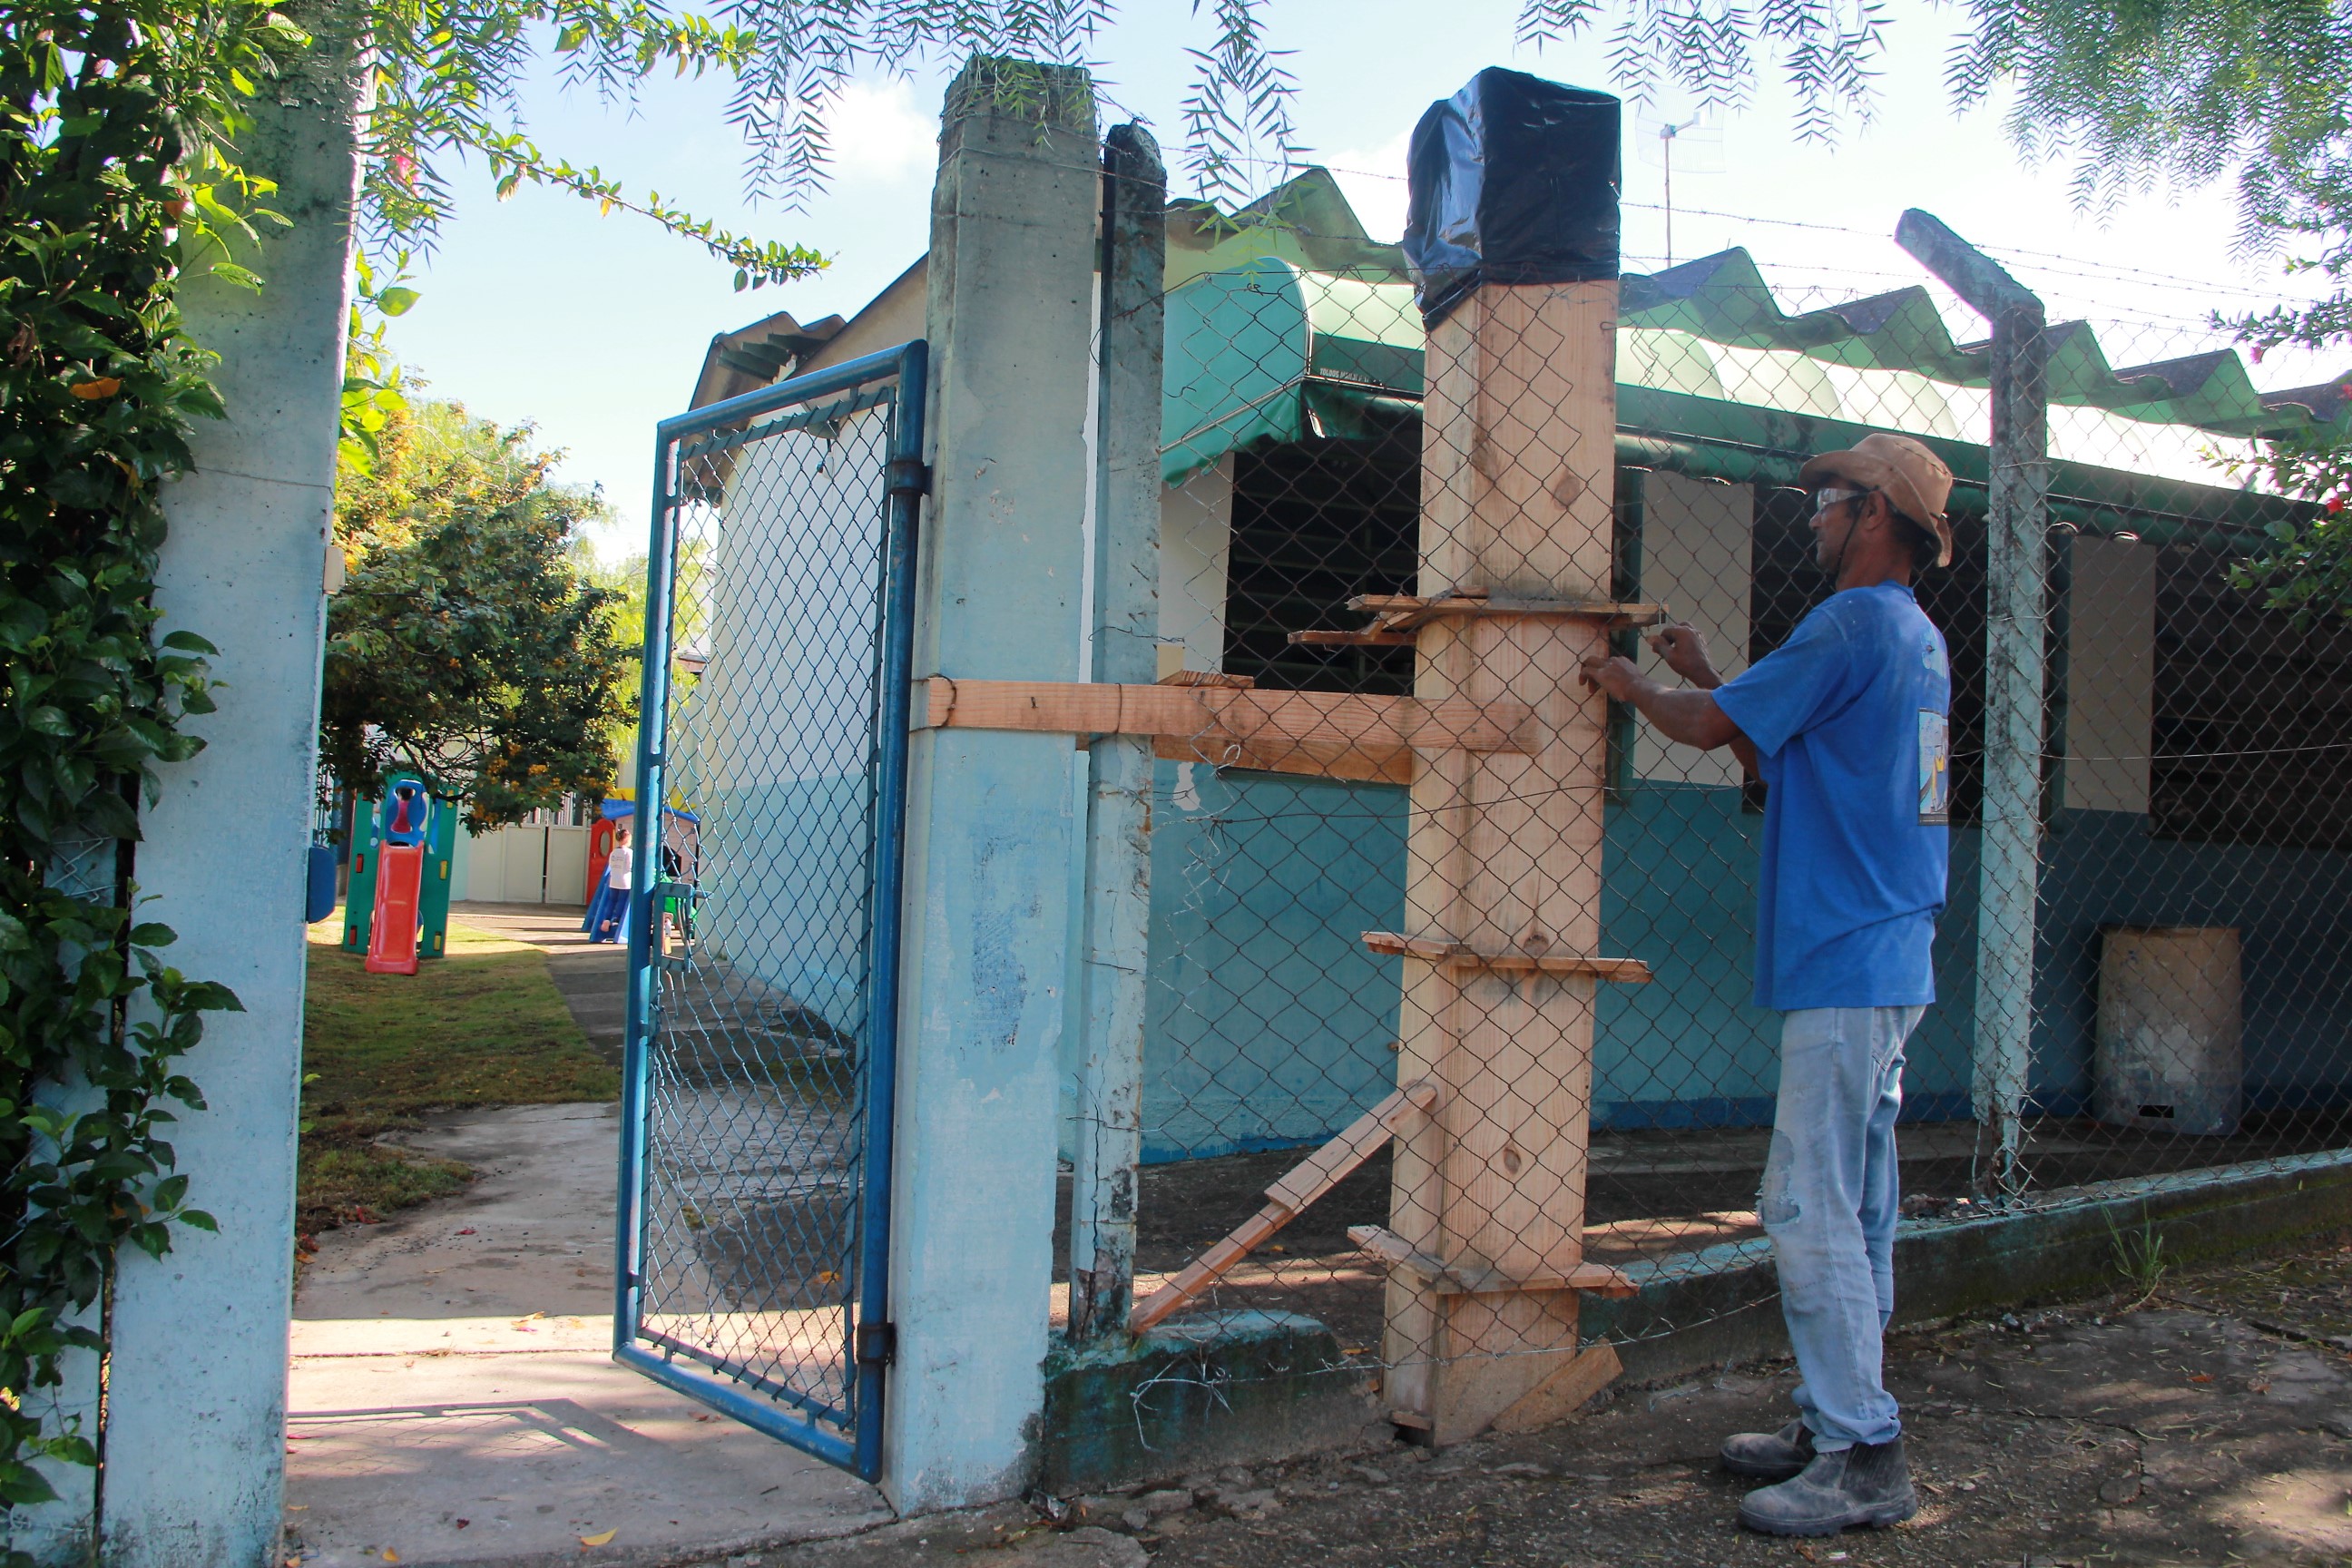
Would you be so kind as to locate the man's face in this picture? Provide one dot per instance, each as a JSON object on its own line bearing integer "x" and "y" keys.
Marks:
{"x": 1837, "y": 510}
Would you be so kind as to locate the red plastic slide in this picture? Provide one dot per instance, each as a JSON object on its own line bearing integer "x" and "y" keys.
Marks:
{"x": 399, "y": 885}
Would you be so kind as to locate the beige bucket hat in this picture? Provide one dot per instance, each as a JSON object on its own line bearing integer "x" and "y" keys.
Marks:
{"x": 1914, "y": 478}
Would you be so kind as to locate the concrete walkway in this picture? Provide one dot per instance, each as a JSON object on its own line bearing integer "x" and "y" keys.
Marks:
{"x": 452, "y": 1398}
{"x": 454, "y": 1401}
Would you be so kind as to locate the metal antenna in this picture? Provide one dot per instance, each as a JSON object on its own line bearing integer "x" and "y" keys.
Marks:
{"x": 1698, "y": 140}
{"x": 1666, "y": 153}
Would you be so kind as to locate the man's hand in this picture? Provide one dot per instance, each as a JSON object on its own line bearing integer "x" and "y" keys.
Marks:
{"x": 1684, "y": 647}
{"x": 1687, "y": 716}
{"x": 1619, "y": 677}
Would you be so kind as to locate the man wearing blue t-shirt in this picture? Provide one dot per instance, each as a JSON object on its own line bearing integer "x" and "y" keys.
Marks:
{"x": 1846, "y": 722}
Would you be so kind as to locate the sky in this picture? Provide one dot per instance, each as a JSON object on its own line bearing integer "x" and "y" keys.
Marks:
{"x": 536, "y": 310}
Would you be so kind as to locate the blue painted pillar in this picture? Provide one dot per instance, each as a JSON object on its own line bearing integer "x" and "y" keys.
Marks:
{"x": 989, "y": 820}
{"x": 196, "y": 1406}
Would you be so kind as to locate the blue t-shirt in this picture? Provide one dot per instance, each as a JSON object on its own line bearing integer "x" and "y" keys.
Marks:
{"x": 1851, "y": 718}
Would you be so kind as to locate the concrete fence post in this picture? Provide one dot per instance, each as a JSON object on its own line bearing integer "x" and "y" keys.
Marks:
{"x": 1126, "y": 631}
{"x": 989, "y": 828}
{"x": 2017, "y": 615}
{"x": 194, "y": 1436}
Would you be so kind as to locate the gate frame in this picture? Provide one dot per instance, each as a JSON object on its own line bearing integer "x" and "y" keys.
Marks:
{"x": 870, "y": 1345}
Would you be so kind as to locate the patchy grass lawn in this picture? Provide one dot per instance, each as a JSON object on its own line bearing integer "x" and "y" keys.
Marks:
{"x": 481, "y": 1026}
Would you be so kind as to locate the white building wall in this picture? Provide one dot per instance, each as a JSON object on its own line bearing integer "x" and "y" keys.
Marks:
{"x": 771, "y": 746}
{"x": 1697, "y": 559}
{"x": 1196, "y": 539}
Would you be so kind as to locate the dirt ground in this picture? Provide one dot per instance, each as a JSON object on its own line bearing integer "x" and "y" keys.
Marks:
{"x": 2210, "y": 1425}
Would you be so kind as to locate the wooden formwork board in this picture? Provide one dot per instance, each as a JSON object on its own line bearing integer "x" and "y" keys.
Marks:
{"x": 1332, "y": 734}
{"x": 1504, "y": 853}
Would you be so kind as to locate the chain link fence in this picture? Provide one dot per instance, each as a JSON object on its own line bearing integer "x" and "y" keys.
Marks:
{"x": 1353, "y": 506}
{"x": 759, "y": 1070}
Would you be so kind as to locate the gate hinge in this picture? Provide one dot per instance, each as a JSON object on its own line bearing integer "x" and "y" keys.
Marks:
{"x": 909, "y": 475}
{"x": 878, "y": 1343}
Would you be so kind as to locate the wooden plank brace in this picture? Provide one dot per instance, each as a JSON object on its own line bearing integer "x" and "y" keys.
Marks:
{"x": 1305, "y": 1182}
{"x": 1210, "y": 712}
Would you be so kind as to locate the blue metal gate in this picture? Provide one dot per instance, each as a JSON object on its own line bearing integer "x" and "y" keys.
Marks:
{"x": 763, "y": 925}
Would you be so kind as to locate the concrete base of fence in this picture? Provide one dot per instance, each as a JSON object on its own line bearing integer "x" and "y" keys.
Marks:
{"x": 1201, "y": 1391}
{"x": 1729, "y": 1299}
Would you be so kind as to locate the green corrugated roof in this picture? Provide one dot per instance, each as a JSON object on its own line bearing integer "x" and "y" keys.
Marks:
{"x": 1723, "y": 298}
{"x": 1269, "y": 350}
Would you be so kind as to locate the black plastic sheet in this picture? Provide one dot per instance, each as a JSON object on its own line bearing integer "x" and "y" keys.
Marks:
{"x": 1514, "y": 180}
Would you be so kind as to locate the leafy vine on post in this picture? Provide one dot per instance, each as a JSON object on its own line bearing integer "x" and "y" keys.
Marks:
{"x": 113, "y": 118}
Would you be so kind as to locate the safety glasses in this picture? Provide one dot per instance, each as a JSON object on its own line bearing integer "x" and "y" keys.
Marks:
{"x": 1830, "y": 496}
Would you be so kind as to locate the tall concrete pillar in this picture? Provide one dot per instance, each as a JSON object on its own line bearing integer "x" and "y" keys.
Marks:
{"x": 989, "y": 820}
{"x": 2017, "y": 615}
{"x": 194, "y": 1438}
{"x": 1118, "y": 917}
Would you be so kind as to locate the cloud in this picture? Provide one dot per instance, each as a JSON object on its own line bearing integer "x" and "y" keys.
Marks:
{"x": 1373, "y": 181}
{"x": 879, "y": 134}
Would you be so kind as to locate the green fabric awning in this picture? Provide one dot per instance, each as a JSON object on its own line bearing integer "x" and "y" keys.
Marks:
{"x": 1265, "y": 351}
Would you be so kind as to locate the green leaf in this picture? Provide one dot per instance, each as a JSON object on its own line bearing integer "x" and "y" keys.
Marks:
{"x": 22, "y": 1486}
{"x": 395, "y": 301}
{"x": 109, "y": 815}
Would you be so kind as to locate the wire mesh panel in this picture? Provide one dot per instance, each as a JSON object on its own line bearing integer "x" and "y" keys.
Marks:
{"x": 1334, "y": 917}
{"x": 763, "y": 925}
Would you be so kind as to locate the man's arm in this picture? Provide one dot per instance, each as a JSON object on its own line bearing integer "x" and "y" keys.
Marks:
{"x": 1686, "y": 715}
{"x": 1684, "y": 647}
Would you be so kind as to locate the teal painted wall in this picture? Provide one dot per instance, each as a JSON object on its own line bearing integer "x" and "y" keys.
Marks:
{"x": 1689, "y": 1049}
{"x": 1270, "y": 1024}
{"x": 2295, "y": 924}
{"x": 1269, "y": 1021}
{"x": 783, "y": 876}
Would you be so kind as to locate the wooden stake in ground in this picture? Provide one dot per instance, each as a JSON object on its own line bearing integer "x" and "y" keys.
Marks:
{"x": 1503, "y": 880}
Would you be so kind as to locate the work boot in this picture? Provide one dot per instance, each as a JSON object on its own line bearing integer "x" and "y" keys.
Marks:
{"x": 1868, "y": 1484}
{"x": 1771, "y": 1456}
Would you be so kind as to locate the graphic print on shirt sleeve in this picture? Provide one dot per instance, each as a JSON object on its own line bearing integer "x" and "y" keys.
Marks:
{"x": 1934, "y": 769}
